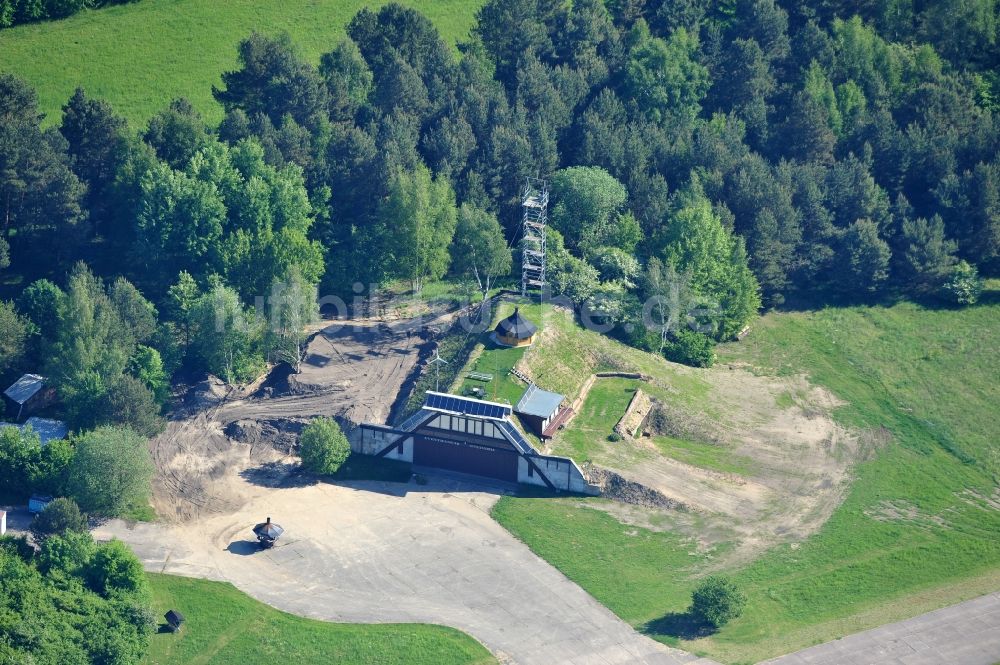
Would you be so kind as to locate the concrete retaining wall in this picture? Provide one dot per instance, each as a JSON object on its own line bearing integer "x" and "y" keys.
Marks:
{"x": 368, "y": 441}
{"x": 561, "y": 472}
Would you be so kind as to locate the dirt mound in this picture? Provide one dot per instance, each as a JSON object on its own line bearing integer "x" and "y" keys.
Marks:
{"x": 211, "y": 457}
{"x": 614, "y": 486}
{"x": 670, "y": 420}
{"x": 207, "y": 393}
{"x": 276, "y": 383}
{"x": 282, "y": 434}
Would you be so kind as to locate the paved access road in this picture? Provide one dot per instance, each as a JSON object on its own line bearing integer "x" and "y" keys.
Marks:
{"x": 379, "y": 552}
{"x": 963, "y": 634}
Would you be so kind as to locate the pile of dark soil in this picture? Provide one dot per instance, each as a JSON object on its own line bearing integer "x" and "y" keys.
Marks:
{"x": 206, "y": 393}
{"x": 277, "y": 382}
{"x": 613, "y": 486}
{"x": 282, "y": 434}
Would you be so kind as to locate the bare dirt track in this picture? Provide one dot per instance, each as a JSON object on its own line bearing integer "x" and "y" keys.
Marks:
{"x": 754, "y": 459}
{"x": 354, "y": 371}
{"x": 799, "y": 460}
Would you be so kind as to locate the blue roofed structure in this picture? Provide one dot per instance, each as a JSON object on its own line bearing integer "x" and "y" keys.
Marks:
{"x": 542, "y": 410}
{"x": 538, "y": 402}
{"x": 47, "y": 429}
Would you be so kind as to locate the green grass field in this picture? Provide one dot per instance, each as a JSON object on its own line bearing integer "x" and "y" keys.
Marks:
{"x": 140, "y": 56}
{"x": 916, "y": 531}
{"x": 224, "y": 626}
{"x": 628, "y": 569}
{"x": 604, "y": 406}
{"x": 704, "y": 455}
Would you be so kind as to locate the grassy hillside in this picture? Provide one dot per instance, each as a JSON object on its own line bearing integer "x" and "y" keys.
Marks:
{"x": 488, "y": 357}
{"x": 224, "y": 626}
{"x": 140, "y": 56}
{"x": 919, "y": 528}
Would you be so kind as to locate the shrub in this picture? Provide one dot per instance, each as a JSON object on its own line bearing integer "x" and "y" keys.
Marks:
{"x": 963, "y": 285}
{"x": 323, "y": 446}
{"x": 111, "y": 471}
{"x": 614, "y": 437}
{"x": 690, "y": 348}
{"x": 114, "y": 568}
{"x": 69, "y": 553}
{"x": 16, "y": 546}
{"x": 57, "y": 518}
{"x": 20, "y": 451}
{"x": 717, "y": 601}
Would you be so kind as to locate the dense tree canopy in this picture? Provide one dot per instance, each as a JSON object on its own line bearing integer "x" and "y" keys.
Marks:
{"x": 74, "y": 602}
{"x": 695, "y": 242}
{"x": 759, "y": 152}
{"x": 479, "y": 248}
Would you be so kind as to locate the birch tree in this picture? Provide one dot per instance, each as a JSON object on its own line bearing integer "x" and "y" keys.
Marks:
{"x": 479, "y": 248}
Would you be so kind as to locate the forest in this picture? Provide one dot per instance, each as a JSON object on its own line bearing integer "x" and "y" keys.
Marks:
{"x": 722, "y": 157}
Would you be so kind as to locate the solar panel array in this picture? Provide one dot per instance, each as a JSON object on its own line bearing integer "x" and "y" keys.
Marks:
{"x": 414, "y": 420}
{"x": 515, "y": 436}
{"x": 469, "y": 407}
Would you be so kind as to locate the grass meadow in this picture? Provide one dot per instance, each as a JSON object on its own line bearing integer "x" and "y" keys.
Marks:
{"x": 225, "y": 626}
{"x": 918, "y": 529}
{"x": 605, "y": 404}
{"x": 140, "y": 56}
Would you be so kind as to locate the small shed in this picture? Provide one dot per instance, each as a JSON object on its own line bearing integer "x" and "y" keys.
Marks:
{"x": 541, "y": 409}
{"x": 515, "y": 330}
{"x": 174, "y": 620}
{"x": 26, "y": 395}
{"x": 267, "y": 532}
{"x": 3, "y": 522}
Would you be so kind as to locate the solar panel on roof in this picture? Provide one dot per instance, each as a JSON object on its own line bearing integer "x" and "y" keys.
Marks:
{"x": 515, "y": 436}
{"x": 471, "y": 407}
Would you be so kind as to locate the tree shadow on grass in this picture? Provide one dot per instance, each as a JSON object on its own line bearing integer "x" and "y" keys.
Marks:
{"x": 679, "y": 625}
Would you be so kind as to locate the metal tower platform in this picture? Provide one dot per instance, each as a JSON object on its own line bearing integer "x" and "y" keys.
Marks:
{"x": 535, "y": 203}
